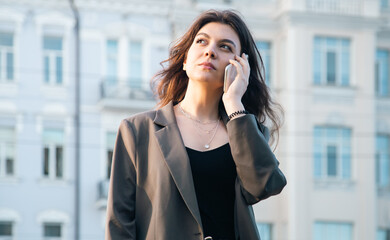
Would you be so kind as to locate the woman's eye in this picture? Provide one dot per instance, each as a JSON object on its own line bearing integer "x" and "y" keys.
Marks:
{"x": 226, "y": 47}
{"x": 200, "y": 41}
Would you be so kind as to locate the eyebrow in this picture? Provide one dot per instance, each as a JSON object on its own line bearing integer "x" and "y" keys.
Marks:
{"x": 223, "y": 40}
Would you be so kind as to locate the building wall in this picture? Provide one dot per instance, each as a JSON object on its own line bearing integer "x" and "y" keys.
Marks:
{"x": 29, "y": 106}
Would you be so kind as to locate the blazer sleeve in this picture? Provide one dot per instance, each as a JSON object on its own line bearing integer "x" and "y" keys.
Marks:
{"x": 120, "y": 220}
{"x": 257, "y": 167}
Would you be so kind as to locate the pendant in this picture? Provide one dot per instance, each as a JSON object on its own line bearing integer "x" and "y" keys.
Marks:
{"x": 207, "y": 146}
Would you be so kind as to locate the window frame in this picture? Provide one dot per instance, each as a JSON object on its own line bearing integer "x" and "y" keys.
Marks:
{"x": 338, "y": 49}
{"x": 266, "y": 53}
{"x": 8, "y": 237}
{"x": 4, "y": 50}
{"x": 48, "y": 224}
{"x": 56, "y": 217}
{"x": 380, "y": 83}
{"x": 52, "y": 157}
{"x": 379, "y": 162}
{"x": 384, "y": 231}
{"x": 110, "y": 56}
{"x": 136, "y": 82}
{"x": 57, "y": 24}
{"x": 4, "y": 148}
{"x": 52, "y": 55}
{"x": 121, "y": 81}
{"x": 110, "y": 142}
{"x": 322, "y": 145}
{"x": 384, "y": 4}
{"x": 328, "y": 224}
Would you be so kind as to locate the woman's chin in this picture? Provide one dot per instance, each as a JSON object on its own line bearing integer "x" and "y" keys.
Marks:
{"x": 207, "y": 80}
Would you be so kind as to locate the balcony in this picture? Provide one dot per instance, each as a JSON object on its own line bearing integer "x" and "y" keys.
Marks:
{"x": 126, "y": 93}
{"x": 103, "y": 185}
{"x": 341, "y": 7}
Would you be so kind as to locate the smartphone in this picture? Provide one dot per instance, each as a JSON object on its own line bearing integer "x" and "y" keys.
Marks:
{"x": 230, "y": 75}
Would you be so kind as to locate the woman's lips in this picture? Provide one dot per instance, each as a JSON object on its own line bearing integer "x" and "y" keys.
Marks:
{"x": 207, "y": 65}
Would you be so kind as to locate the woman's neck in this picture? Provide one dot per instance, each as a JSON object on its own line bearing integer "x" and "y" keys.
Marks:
{"x": 201, "y": 103}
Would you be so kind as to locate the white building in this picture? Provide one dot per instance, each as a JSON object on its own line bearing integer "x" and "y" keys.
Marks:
{"x": 327, "y": 63}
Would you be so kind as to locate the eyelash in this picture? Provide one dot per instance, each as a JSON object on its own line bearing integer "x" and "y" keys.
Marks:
{"x": 228, "y": 47}
{"x": 199, "y": 40}
{"x": 223, "y": 45}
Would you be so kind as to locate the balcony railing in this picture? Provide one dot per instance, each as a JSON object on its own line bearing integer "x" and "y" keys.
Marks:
{"x": 135, "y": 89}
{"x": 345, "y": 7}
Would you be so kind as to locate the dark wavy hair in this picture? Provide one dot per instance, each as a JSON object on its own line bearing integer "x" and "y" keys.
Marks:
{"x": 171, "y": 82}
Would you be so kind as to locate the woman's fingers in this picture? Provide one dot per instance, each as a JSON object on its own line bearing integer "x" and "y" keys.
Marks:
{"x": 242, "y": 66}
{"x": 238, "y": 86}
{"x": 238, "y": 67}
{"x": 243, "y": 60}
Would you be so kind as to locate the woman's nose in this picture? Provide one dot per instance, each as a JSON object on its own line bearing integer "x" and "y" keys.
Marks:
{"x": 210, "y": 52}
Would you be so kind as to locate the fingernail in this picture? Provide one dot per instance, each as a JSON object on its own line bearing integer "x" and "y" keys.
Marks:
{"x": 246, "y": 56}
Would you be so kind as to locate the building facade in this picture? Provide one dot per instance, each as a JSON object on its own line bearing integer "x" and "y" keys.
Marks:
{"x": 326, "y": 61}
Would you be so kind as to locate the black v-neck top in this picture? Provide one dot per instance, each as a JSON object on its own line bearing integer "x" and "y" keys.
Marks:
{"x": 214, "y": 175}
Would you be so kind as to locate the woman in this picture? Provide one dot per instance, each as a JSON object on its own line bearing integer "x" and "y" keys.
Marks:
{"x": 192, "y": 168}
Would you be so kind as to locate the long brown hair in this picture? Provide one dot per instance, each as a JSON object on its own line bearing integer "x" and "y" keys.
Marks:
{"x": 172, "y": 81}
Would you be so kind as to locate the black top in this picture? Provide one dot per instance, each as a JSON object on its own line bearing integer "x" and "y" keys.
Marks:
{"x": 214, "y": 175}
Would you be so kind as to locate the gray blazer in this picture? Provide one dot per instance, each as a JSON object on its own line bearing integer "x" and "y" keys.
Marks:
{"x": 151, "y": 193}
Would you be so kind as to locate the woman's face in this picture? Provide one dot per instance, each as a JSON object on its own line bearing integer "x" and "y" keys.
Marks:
{"x": 209, "y": 54}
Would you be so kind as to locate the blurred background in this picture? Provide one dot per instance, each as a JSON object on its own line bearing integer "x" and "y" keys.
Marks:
{"x": 71, "y": 71}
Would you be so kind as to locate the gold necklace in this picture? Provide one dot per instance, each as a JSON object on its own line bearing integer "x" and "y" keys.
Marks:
{"x": 207, "y": 146}
{"x": 196, "y": 122}
{"x": 194, "y": 119}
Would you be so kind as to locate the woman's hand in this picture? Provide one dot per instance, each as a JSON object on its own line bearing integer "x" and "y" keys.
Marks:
{"x": 232, "y": 97}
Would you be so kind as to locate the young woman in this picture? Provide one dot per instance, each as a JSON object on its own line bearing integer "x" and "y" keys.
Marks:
{"x": 192, "y": 168}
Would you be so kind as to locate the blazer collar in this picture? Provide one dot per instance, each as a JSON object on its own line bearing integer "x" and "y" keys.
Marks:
{"x": 165, "y": 115}
{"x": 176, "y": 157}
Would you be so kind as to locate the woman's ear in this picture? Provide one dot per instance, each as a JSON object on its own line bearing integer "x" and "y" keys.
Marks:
{"x": 184, "y": 65}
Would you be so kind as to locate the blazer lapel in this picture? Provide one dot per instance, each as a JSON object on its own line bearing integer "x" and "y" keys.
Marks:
{"x": 176, "y": 157}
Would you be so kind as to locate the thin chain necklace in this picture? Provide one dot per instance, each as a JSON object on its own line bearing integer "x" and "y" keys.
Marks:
{"x": 215, "y": 129}
{"x": 207, "y": 145}
{"x": 194, "y": 119}
{"x": 205, "y": 130}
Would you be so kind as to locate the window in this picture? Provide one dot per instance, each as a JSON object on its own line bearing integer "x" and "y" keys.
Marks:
{"x": 384, "y": 4}
{"x": 135, "y": 62}
{"x": 112, "y": 60}
{"x": 332, "y": 230}
{"x": 332, "y": 152}
{"x": 265, "y": 51}
{"x": 382, "y": 73}
{"x": 5, "y": 230}
{"x": 53, "y": 153}
{"x": 383, "y": 234}
{"x": 6, "y": 57}
{"x": 110, "y": 149}
{"x": 265, "y": 230}
{"x": 331, "y": 61}
{"x": 52, "y": 231}
{"x": 7, "y": 152}
{"x": 53, "y": 60}
{"x": 383, "y": 161}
